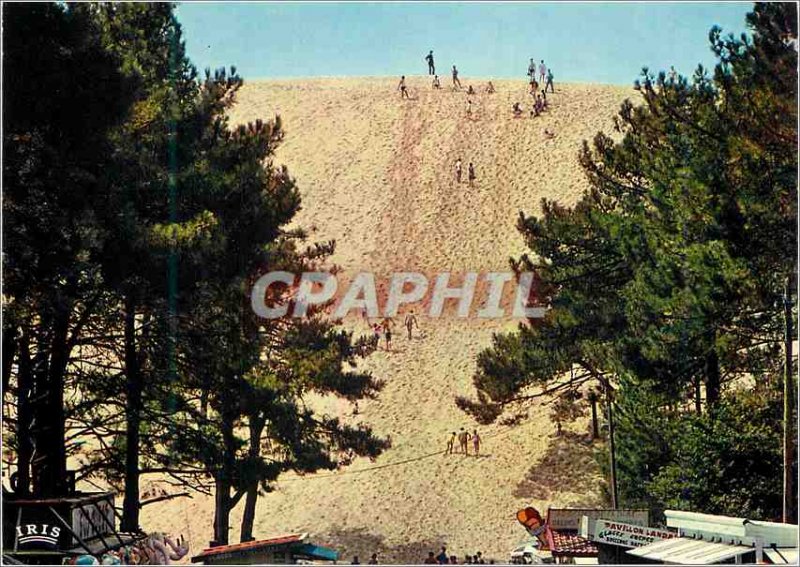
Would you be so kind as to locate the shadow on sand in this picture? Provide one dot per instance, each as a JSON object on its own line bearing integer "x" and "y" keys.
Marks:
{"x": 363, "y": 543}
{"x": 568, "y": 466}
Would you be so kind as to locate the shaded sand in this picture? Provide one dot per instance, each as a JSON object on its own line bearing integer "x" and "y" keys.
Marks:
{"x": 376, "y": 174}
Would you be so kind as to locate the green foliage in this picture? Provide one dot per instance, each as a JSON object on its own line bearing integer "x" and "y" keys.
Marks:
{"x": 725, "y": 462}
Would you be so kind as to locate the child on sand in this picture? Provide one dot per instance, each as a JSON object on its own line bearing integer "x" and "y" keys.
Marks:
{"x": 456, "y": 82}
{"x": 458, "y": 170}
{"x": 517, "y": 110}
{"x": 386, "y": 325}
{"x": 411, "y": 321}
{"x": 490, "y": 88}
{"x": 436, "y": 83}
{"x": 402, "y": 87}
{"x": 476, "y": 442}
{"x": 451, "y": 441}
{"x": 470, "y": 90}
{"x": 471, "y": 174}
{"x": 469, "y": 109}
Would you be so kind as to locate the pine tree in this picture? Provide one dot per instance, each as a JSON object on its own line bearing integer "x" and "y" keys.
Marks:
{"x": 56, "y": 147}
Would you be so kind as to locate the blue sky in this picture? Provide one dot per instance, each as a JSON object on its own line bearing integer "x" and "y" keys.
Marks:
{"x": 581, "y": 42}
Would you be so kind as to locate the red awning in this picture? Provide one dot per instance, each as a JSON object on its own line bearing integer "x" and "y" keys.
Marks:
{"x": 569, "y": 544}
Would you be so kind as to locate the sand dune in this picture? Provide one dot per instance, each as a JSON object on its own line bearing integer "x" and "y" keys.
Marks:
{"x": 376, "y": 175}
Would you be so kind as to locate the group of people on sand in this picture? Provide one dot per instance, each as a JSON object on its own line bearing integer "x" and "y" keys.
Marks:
{"x": 470, "y": 172}
{"x": 384, "y": 329}
{"x": 539, "y": 102}
{"x": 545, "y": 76}
{"x": 444, "y": 559}
{"x": 463, "y": 437}
{"x": 538, "y": 95}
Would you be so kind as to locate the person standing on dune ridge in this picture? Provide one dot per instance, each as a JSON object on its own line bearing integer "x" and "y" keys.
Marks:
{"x": 456, "y": 82}
{"x": 549, "y": 82}
{"x": 431, "y": 66}
{"x": 542, "y": 71}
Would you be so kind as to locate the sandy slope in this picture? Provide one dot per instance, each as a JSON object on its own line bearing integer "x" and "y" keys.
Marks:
{"x": 376, "y": 174}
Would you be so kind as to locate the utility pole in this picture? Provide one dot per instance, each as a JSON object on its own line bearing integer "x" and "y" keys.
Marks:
{"x": 611, "y": 450}
{"x": 593, "y": 401}
{"x": 788, "y": 399}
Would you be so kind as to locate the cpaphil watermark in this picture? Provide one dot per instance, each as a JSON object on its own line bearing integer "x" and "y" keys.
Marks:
{"x": 490, "y": 295}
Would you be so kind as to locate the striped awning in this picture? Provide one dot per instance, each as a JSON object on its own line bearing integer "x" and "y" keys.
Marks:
{"x": 687, "y": 551}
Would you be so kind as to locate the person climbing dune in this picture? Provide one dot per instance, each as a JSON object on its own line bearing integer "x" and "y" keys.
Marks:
{"x": 402, "y": 87}
{"x": 410, "y": 322}
{"x": 456, "y": 82}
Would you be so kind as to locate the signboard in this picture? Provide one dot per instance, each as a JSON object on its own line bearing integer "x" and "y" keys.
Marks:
{"x": 534, "y": 523}
{"x": 570, "y": 518}
{"x": 36, "y": 530}
{"x": 628, "y": 535}
{"x": 93, "y": 519}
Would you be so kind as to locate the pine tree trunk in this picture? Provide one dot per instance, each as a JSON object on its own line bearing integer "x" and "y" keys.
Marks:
{"x": 133, "y": 415}
{"x": 221, "y": 510}
{"x": 224, "y": 478}
{"x": 789, "y": 502}
{"x": 49, "y": 462}
{"x": 24, "y": 417}
{"x": 698, "y": 395}
{"x": 712, "y": 376}
{"x": 204, "y": 403}
{"x": 612, "y": 449}
{"x": 10, "y": 346}
{"x": 249, "y": 514}
{"x": 251, "y": 499}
